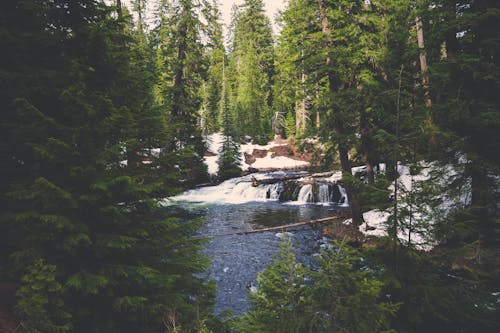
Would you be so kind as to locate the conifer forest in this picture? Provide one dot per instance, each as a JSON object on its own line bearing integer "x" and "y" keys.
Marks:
{"x": 250, "y": 166}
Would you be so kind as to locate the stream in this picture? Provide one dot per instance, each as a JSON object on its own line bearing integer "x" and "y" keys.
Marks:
{"x": 237, "y": 205}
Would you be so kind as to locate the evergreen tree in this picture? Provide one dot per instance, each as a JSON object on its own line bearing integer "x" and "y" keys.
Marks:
{"x": 349, "y": 294}
{"x": 180, "y": 70}
{"x": 229, "y": 152}
{"x": 212, "y": 87}
{"x": 466, "y": 108}
{"x": 282, "y": 302}
{"x": 434, "y": 297}
{"x": 342, "y": 297}
{"x": 80, "y": 232}
{"x": 252, "y": 67}
{"x": 295, "y": 81}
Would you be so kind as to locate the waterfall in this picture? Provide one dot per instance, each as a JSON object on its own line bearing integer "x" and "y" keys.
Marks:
{"x": 344, "y": 202}
{"x": 274, "y": 191}
{"x": 324, "y": 193}
{"x": 306, "y": 194}
{"x": 241, "y": 190}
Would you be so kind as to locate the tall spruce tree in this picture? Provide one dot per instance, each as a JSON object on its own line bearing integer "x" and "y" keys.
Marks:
{"x": 464, "y": 78}
{"x": 212, "y": 86}
{"x": 252, "y": 67}
{"x": 81, "y": 233}
{"x": 341, "y": 298}
{"x": 180, "y": 69}
{"x": 229, "y": 154}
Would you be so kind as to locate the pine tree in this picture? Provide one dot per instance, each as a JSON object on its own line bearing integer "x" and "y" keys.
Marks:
{"x": 212, "y": 87}
{"x": 282, "y": 301}
{"x": 84, "y": 235}
{"x": 229, "y": 153}
{"x": 180, "y": 69}
{"x": 464, "y": 93}
{"x": 252, "y": 67}
{"x": 40, "y": 304}
{"x": 350, "y": 297}
{"x": 341, "y": 297}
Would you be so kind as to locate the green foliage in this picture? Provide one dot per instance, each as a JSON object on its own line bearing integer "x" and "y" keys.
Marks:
{"x": 211, "y": 90}
{"x": 350, "y": 294}
{"x": 465, "y": 80}
{"x": 81, "y": 230}
{"x": 180, "y": 68}
{"x": 229, "y": 159}
{"x": 282, "y": 301}
{"x": 290, "y": 125}
{"x": 251, "y": 70}
{"x": 229, "y": 153}
{"x": 340, "y": 296}
{"x": 435, "y": 297}
{"x": 100, "y": 119}
{"x": 40, "y": 303}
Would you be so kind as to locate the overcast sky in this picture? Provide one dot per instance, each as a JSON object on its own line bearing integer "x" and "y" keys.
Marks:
{"x": 272, "y": 8}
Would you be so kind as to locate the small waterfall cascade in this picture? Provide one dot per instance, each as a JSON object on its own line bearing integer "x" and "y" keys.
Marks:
{"x": 273, "y": 192}
{"x": 324, "y": 193}
{"x": 271, "y": 187}
{"x": 306, "y": 194}
{"x": 344, "y": 202}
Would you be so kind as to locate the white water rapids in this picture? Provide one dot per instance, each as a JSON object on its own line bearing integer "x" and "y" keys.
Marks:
{"x": 241, "y": 190}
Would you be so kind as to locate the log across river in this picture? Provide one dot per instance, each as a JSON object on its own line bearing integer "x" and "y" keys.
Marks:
{"x": 283, "y": 227}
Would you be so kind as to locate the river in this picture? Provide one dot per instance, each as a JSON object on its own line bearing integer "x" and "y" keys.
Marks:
{"x": 235, "y": 206}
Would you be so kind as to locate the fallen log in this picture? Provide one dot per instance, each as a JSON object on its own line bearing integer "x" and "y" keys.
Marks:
{"x": 280, "y": 228}
{"x": 266, "y": 181}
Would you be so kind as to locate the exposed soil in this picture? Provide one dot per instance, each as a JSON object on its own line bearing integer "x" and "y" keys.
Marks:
{"x": 8, "y": 322}
{"x": 343, "y": 232}
{"x": 308, "y": 152}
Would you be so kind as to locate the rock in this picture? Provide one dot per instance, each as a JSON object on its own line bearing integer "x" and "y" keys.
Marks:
{"x": 249, "y": 159}
{"x": 259, "y": 153}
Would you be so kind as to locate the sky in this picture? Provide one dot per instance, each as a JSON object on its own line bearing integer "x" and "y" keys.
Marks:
{"x": 272, "y": 7}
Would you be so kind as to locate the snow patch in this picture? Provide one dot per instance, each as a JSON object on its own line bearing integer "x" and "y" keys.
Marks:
{"x": 375, "y": 220}
{"x": 277, "y": 162}
{"x": 213, "y": 166}
{"x": 214, "y": 142}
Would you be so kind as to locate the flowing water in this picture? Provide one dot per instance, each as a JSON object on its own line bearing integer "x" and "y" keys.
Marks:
{"x": 235, "y": 206}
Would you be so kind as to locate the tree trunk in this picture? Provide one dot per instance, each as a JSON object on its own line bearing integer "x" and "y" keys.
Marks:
{"x": 119, "y": 9}
{"x": 365, "y": 148}
{"x": 318, "y": 119}
{"x": 140, "y": 18}
{"x": 301, "y": 115}
{"x": 357, "y": 215}
{"x": 179, "y": 72}
{"x": 425, "y": 78}
{"x": 396, "y": 173}
{"x": 451, "y": 42}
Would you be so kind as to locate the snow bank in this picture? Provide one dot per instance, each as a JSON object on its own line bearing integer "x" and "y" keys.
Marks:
{"x": 278, "y": 162}
{"x": 335, "y": 177}
{"x": 211, "y": 162}
{"x": 214, "y": 142}
{"x": 375, "y": 225}
{"x": 424, "y": 216}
